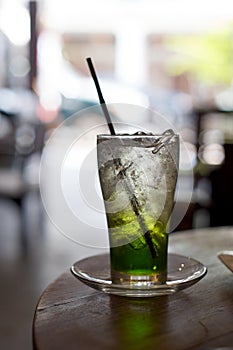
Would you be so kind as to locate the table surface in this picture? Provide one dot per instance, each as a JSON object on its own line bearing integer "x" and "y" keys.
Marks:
{"x": 71, "y": 315}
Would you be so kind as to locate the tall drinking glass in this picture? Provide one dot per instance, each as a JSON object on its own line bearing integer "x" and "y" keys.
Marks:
{"x": 138, "y": 175}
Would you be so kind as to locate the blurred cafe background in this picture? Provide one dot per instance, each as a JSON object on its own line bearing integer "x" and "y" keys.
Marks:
{"x": 171, "y": 56}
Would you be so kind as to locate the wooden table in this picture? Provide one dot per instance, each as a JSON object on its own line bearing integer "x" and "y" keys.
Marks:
{"x": 71, "y": 315}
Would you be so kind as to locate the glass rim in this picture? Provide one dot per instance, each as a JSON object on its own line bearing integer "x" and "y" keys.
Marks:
{"x": 131, "y": 136}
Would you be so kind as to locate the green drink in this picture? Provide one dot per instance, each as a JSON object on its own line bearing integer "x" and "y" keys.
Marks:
{"x": 138, "y": 176}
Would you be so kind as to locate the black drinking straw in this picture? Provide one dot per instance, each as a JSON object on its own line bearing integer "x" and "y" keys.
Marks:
{"x": 133, "y": 199}
{"x": 101, "y": 99}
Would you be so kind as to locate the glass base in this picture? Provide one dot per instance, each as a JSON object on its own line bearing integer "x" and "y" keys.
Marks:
{"x": 137, "y": 280}
{"x": 183, "y": 272}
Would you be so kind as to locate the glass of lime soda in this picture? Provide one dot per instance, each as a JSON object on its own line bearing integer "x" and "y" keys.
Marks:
{"x": 138, "y": 175}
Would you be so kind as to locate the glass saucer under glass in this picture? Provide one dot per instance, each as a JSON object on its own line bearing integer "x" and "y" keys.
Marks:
{"x": 183, "y": 272}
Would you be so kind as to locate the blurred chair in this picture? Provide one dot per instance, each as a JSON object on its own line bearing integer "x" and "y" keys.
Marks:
{"x": 21, "y": 143}
{"x": 214, "y": 173}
